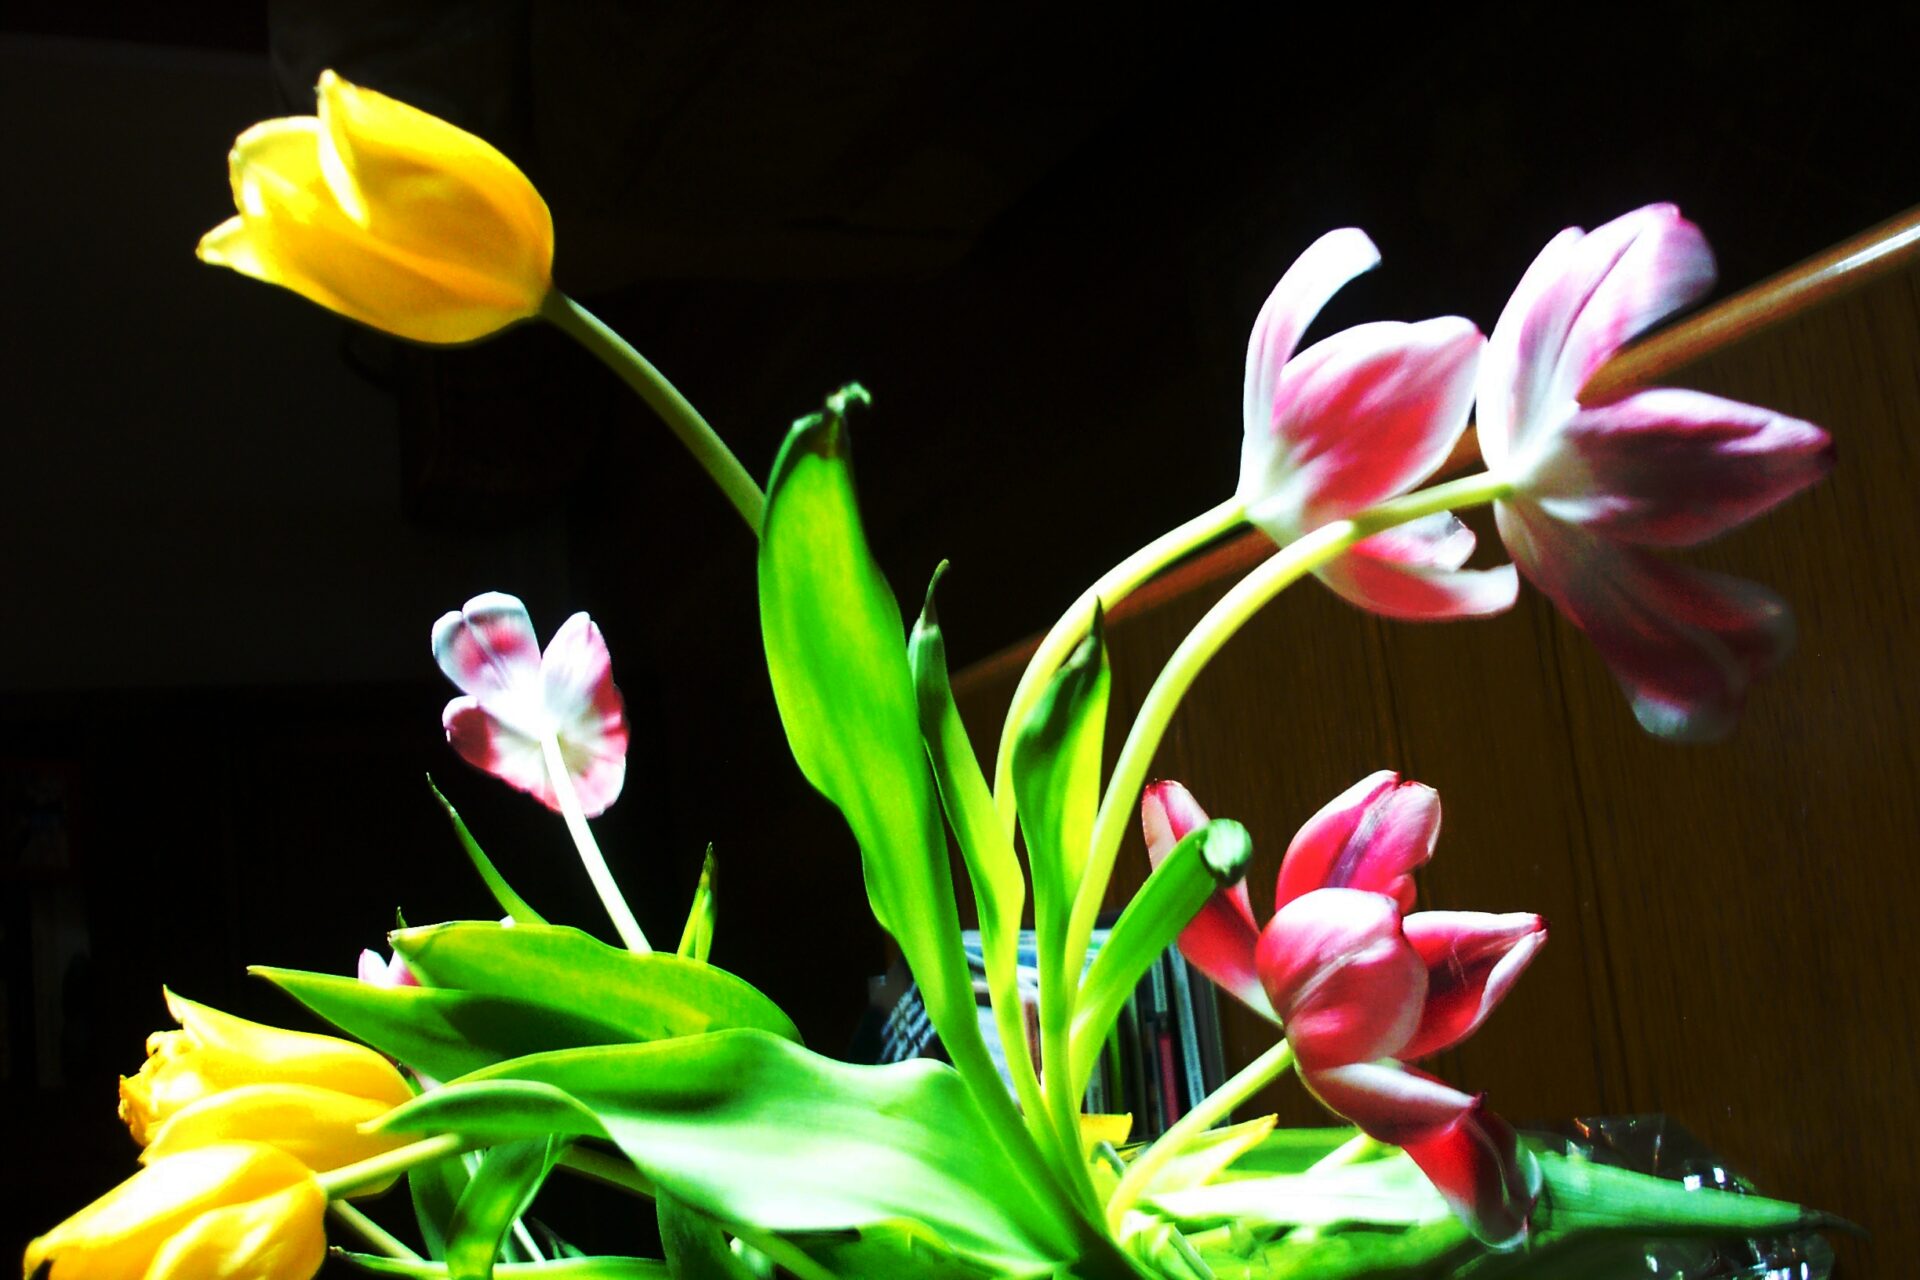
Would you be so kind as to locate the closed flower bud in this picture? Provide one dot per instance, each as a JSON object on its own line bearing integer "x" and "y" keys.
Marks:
{"x": 238, "y": 1211}
{"x": 389, "y": 216}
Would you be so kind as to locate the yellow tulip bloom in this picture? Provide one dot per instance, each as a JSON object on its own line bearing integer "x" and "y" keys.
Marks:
{"x": 389, "y": 216}
{"x": 236, "y": 1211}
{"x": 221, "y": 1079}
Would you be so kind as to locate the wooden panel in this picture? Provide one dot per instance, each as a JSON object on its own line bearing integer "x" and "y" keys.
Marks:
{"x": 1728, "y": 922}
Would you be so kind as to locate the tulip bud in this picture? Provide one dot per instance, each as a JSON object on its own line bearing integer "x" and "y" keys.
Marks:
{"x": 389, "y": 216}
{"x": 239, "y": 1210}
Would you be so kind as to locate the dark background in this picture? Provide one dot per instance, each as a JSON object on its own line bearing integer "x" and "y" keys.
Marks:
{"x": 1038, "y": 238}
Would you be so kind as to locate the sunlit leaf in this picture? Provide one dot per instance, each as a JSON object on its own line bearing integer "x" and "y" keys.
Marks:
{"x": 510, "y": 902}
{"x": 499, "y": 1192}
{"x": 696, "y": 939}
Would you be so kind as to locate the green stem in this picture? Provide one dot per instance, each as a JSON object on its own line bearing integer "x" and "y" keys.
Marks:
{"x": 1115, "y": 585}
{"x": 388, "y": 1165}
{"x": 1292, "y": 562}
{"x": 377, "y": 1236}
{"x": 1217, "y": 1106}
{"x": 706, "y": 446}
{"x": 590, "y": 856}
{"x": 1355, "y": 1149}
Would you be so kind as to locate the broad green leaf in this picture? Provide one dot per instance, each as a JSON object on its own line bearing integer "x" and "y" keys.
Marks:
{"x": 695, "y": 1246}
{"x": 1424, "y": 1252}
{"x": 601, "y": 1268}
{"x": 1582, "y": 1196}
{"x": 696, "y": 939}
{"x": 499, "y": 1192}
{"x": 745, "y": 1127}
{"x": 435, "y": 1189}
{"x": 1208, "y": 1154}
{"x": 1056, "y": 768}
{"x": 837, "y": 656}
{"x": 1210, "y": 857}
{"x": 510, "y": 902}
{"x": 1388, "y": 1192}
{"x": 904, "y": 1249}
{"x": 646, "y": 997}
{"x": 437, "y": 1032}
{"x": 1292, "y": 1150}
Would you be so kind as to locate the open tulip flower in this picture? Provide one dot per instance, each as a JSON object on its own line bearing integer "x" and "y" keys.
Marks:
{"x": 1598, "y": 484}
{"x": 1356, "y": 418}
{"x": 237, "y": 1210}
{"x": 516, "y": 697}
{"x": 221, "y": 1079}
{"x": 389, "y": 216}
{"x": 1360, "y": 986}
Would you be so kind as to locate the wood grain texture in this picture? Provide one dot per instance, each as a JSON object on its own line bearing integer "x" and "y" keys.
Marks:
{"x": 1729, "y": 923}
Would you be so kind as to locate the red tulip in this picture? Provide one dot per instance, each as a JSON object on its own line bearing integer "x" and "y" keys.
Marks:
{"x": 1360, "y": 986}
{"x": 1598, "y": 482}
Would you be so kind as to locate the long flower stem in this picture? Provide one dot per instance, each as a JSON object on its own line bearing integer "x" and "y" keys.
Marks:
{"x": 1115, "y": 585}
{"x": 705, "y": 444}
{"x": 1247, "y": 597}
{"x": 378, "y": 1237}
{"x": 1216, "y": 1107}
{"x": 590, "y": 856}
{"x": 391, "y": 1164}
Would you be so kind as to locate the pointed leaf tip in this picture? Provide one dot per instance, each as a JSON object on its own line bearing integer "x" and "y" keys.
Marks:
{"x": 930, "y": 616}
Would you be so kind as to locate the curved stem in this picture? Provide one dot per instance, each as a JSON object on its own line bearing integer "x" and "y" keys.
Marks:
{"x": 378, "y": 1237}
{"x": 701, "y": 440}
{"x": 1115, "y": 585}
{"x": 390, "y": 1164}
{"x": 1355, "y": 1149}
{"x": 1248, "y": 596}
{"x": 597, "y": 871}
{"x": 1216, "y": 1107}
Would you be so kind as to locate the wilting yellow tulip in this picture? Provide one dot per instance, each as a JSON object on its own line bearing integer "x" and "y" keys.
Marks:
{"x": 389, "y": 216}
{"x": 236, "y": 1211}
{"x": 223, "y": 1079}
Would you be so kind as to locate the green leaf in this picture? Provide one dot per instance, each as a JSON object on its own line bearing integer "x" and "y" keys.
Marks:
{"x": 1416, "y": 1253}
{"x": 696, "y": 940}
{"x": 1582, "y": 1196}
{"x": 440, "y": 1033}
{"x": 1056, "y": 763}
{"x": 1388, "y": 1192}
{"x": 1293, "y": 1150}
{"x": 510, "y": 902}
{"x": 695, "y": 1246}
{"x": 745, "y": 1127}
{"x": 435, "y": 1189}
{"x": 904, "y": 1248}
{"x": 645, "y": 997}
{"x": 837, "y": 656}
{"x": 499, "y": 1192}
{"x": 1207, "y": 859}
{"x": 600, "y": 1268}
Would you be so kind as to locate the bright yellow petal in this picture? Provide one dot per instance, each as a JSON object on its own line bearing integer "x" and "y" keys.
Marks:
{"x": 318, "y": 1127}
{"x": 291, "y": 1057}
{"x": 1096, "y": 1129}
{"x": 280, "y": 1236}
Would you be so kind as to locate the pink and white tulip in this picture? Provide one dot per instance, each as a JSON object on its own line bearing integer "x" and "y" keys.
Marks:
{"x": 1598, "y": 483}
{"x": 1356, "y": 418}
{"x": 515, "y": 697}
{"x": 1360, "y": 986}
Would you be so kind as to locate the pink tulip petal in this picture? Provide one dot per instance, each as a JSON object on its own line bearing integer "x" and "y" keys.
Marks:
{"x": 1390, "y": 1102}
{"x": 577, "y": 677}
{"x": 488, "y": 648}
{"x": 1342, "y": 976}
{"x": 1413, "y": 572}
{"x": 1684, "y": 643}
{"x": 484, "y": 742}
{"x": 385, "y": 973}
{"x": 1221, "y": 939}
{"x": 1583, "y": 298}
{"x": 1358, "y": 417}
{"x": 1672, "y": 468}
{"x": 1372, "y": 836}
{"x": 1472, "y": 959}
{"x": 1319, "y": 273}
{"x": 1478, "y": 1165}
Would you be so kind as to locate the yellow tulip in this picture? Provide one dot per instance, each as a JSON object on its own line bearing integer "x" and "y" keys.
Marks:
{"x": 236, "y": 1211}
{"x": 389, "y": 216}
{"x": 222, "y": 1079}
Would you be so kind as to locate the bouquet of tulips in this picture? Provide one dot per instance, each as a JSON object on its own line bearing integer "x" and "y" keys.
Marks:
{"x": 488, "y": 1055}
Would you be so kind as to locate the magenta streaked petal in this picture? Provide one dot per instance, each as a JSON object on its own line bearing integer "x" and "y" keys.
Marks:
{"x": 484, "y": 742}
{"x": 1221, "y": 938}
{"x": 577, "y": 676}
{"x": 1478, "y": 1165}
{"x": 488, "y": 647}
{"x": 1372, "y": 836}
{"x": 1684, "y": 643}
{"x": 1472, "y": 959}
{"x": 1671, "y": 468}
{"x": 1584, "y": 297}
{"x": 1342, "y": 976}
{"x": 1390, "y": 1102}
{"x": 1413, "y": 572}
{"x": 1358, "y": 417}
{"x": 1319, "y": 273}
